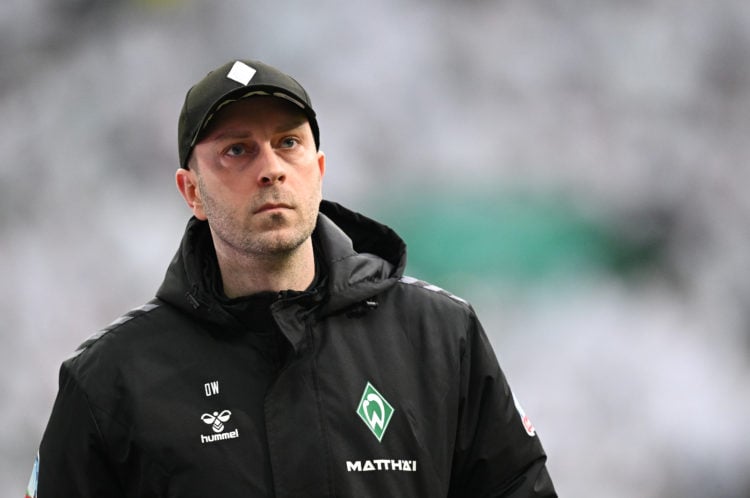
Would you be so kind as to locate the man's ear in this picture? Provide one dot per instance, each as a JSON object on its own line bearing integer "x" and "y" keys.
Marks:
{"x": 322, "y": 163}
{"x": 187, "y": 184}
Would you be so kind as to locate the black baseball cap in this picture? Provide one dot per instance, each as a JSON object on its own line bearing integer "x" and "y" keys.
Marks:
{"x": 233, "y": 81}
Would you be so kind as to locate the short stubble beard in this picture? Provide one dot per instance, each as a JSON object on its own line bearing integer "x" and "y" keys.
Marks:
{"x": 247, "y": 243}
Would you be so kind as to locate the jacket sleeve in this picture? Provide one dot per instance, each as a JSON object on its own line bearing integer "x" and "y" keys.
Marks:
{"x": 497, "y": 452}
{"x": 72, "y": 460}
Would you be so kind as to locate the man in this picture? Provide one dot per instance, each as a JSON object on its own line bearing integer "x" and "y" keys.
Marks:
{"x": 285, "y": 354}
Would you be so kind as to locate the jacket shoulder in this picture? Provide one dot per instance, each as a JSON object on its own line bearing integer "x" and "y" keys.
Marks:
{"x": 117, "y": 333}
{"x": 109, "y": 349}
{"x": 432, "y": 308}
{"x": 108, "y": 364}
{"x": 432, "y": 291}
{"x": 130, "y": 318}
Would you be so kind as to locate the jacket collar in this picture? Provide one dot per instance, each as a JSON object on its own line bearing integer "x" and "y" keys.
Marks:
{"x": 362, "y": 258}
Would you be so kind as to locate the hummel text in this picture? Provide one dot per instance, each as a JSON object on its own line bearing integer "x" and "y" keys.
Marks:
{"x": 219, "y": 437}
{"x": 381, "y": 465}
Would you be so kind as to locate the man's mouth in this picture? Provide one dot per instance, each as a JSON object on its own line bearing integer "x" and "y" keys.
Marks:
{"x": 272, "y": 206}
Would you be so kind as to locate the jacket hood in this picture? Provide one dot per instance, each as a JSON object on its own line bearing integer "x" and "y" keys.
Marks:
{"x": 362, "y": 258}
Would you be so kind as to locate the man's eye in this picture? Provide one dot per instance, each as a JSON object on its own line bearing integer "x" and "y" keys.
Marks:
{"x": 236, "y": 150}
{"x": 289, "y": 142}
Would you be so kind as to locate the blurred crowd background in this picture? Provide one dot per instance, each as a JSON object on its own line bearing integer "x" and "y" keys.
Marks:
{"x": 575, "y": 169}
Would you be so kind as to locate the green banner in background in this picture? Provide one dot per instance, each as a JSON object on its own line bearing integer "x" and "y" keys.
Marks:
{"x": 517, "y": 239}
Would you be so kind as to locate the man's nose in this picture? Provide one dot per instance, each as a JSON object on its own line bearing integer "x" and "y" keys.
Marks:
{"x": 271, "y": 168}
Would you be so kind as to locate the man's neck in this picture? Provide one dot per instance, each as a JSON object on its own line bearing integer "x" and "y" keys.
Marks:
{"x": 243, "y": 274}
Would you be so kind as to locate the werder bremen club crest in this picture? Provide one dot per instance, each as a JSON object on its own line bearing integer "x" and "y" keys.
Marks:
{"x": 375, "y": 411}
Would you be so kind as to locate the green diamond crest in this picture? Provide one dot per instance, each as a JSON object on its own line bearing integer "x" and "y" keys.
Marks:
{"x": 375, "y": 411}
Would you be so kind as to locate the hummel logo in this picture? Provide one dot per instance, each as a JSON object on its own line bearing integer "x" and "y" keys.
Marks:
{"x": 375, "y": 411}
{"x": 216, "y": 421}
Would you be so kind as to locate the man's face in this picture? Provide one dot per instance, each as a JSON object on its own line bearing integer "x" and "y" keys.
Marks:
{"x": 257, "y": 177}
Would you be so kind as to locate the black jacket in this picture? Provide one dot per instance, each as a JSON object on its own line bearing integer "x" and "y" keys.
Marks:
{"x": 370, "y": 384}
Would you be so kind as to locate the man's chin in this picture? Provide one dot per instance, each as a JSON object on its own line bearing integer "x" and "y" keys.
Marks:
{"x": 279, "y": 242}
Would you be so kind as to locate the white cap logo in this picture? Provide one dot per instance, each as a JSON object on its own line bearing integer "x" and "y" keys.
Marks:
{"x": 241, "y": 73}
